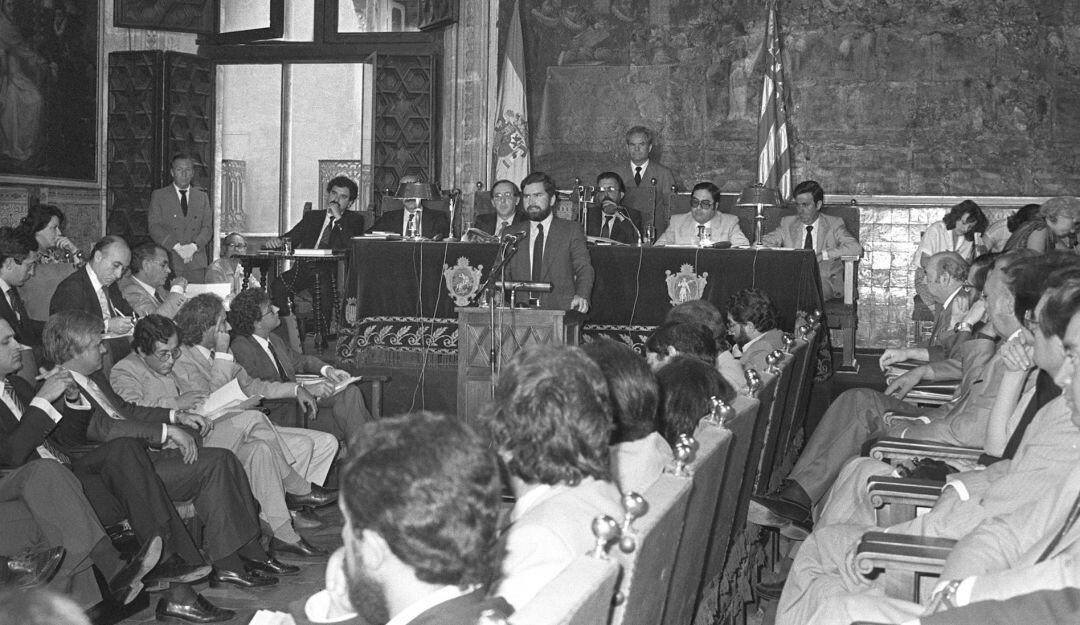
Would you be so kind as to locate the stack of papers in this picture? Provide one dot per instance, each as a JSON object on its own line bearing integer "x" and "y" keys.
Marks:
{"x": 227, "y": 401}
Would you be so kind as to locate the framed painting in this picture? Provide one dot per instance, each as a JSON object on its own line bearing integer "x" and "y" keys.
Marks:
{"x": 187, "y": 16}
{"x": 49, "y": 129}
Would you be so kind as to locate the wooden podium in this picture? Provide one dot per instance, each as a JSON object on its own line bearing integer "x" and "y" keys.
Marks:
{"x": 515, "y": 328}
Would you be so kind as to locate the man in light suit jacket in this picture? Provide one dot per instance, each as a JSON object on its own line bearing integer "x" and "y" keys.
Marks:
{"x": 506, "y": 199}
{"x": 563, "y": 257}
{"x": 144, "y": 288}
{"x": 639, "y": 171}
{"x": 264, "y": 355}
{"x": 561, "y": 483}
{"x": 181, "y": 221}
{"x": 610, "y": 219}
{"x": 703, "y": 222}
{"x": 18, "y": 260}
{"x": 829, "y": 238}
{"x": 318, "y": 229}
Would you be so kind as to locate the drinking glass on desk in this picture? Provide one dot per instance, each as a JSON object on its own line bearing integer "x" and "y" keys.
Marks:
{"x": 650, "y": 234}
{"x": 286, "y": 246}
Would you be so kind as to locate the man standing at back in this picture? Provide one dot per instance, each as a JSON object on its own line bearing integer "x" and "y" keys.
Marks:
{"x": 552, "y": 249}
{"x": 180, "y": 220}
{"x": 641, "y": 194}
{"x": 824, "y": 234}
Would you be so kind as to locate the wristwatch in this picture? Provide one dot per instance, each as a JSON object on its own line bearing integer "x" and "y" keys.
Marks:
{"x": 962, "y": 327}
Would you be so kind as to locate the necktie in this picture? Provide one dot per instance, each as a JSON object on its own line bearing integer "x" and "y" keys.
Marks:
{"x": 410, "y": 227}
{"x": 158, "y": 297}
{"x": 16, "y": 303}
{"x": 700, "y": 231}
{"x": 606, "y": 230}
{"x": 538, "y": 253}
{"x": 637, "y": 175}
{"x": 108, "y": 303}
{"x": 324, "y": 238}
{"x": 95, "y": 393}
{"x": 1070, "y": 520}
{"x": 183, "y": 201}
{"x": 502, "y": 228}
{"x": 277, "y": 362}
{"x": 46, "y": 449}
{"x": 808, "y": 242}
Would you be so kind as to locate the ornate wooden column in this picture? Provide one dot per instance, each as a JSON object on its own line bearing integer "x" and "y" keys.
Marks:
{"x": 470, "y": 84}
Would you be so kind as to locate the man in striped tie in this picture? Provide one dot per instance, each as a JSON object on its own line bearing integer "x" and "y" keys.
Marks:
{"x": 144, "y": 288}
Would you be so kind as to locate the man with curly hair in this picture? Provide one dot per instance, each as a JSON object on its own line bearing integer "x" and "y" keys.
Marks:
{"x": 421, "y": 505}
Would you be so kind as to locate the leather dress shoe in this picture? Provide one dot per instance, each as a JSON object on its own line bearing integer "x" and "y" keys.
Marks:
{"x": 317, "y": 498}
{"x": 270, "y": 565}
{"x": 787, "y": 504}
{"x": 306, "y": 519}
{"x": 175, "y": 570}
{"x": 128, "y": 581}
{"x": 201, "y": 611}
{"x": 300, "y": 548}
{"x": 246, "y": 579}
{"x": 31, "y": 568}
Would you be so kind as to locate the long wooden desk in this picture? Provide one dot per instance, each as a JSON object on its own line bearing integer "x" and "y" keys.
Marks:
{"x": 399, "y": 313}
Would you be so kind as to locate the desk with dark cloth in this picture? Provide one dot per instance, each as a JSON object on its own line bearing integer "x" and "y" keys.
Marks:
{"x": 397, "y": 305}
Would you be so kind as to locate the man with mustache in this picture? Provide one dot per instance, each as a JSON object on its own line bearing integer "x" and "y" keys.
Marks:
{"x": 318, "y": 229}
{"x": 551, "y": 249}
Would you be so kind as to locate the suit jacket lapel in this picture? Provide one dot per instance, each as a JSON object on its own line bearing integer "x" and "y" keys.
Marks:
{"x": 9, "y": 315}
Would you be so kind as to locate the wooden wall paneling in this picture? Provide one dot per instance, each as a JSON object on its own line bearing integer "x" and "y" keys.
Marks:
{"x": 404, "y": 131}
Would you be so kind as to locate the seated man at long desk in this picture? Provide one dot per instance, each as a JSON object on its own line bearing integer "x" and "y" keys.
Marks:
{"x": 318, "y": 229}
{"x": 552, "y": 249}
{"x": 428, "y": 223}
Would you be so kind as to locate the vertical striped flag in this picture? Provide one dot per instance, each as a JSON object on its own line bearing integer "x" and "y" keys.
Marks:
{"x": 774, "y": 154}
{"x": 511, "y": 145}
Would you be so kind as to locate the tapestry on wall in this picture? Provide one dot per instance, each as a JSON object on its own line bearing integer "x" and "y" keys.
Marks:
{"x": 48, "y": 87}
{"x": 913, "y": 97}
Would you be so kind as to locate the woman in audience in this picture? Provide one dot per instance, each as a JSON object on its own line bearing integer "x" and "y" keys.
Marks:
{"x": 638, "y": 452}
{"x": 59, "y": 257}
{"x": 1052, "y": 229}
{"x": 686, "y": 387}
{"x": 958, "y": 231}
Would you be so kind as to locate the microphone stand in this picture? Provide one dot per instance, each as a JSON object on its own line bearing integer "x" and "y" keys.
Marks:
{"x": 507, "y": 250}
{"x": 621, "y": 210}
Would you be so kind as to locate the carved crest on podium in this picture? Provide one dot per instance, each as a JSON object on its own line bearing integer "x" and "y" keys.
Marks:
{"x": 462, "y": 280}
{"x": 685, "y": 285}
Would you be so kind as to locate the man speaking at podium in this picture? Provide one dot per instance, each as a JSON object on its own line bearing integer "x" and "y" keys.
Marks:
{"x": 551, "y": 249}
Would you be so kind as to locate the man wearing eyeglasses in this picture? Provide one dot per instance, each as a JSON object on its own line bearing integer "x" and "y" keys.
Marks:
{"x": 18, "y": 261}
{"x": 703, "y": 224}
{"x": 144, "y": 288}
{"x": 228, "y": 268}
{"x": 506, "y": 199}
{"x": 610, "y": 219}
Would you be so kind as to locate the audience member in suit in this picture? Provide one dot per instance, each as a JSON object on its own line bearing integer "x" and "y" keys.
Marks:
{"x": 181, "y": 220}
{"x": 275, "y": 473}
{"x": 611, "y": 219}
{"x": 228, "y": 268}
{"x": 639, "y": 172}
{"x": 93, "y": 288}
{"x": 56, "y": 508}
{"x": 506, "y": 199}
{"x": 318, "y": 229}
{"x": 18, "y": 261}
{"x": 433, "y": 223}
{"x": 1012, "y": 290}
{"x": 561, "y": 482}
{"x": 561, "y": 257}
{"x": 212, "y": 478}
{"x": 391, "y": 567}
{"x": 704, "y": 223}
{"x": 144, "y": 288}
{"x": 639, "y": 453}
{"x": 752, "y": 319}
{"x": 829, "y": 238}
{"x": 205, "y": 364}
{"x": 947, "y": 289}
{"x": 264, "y": 355}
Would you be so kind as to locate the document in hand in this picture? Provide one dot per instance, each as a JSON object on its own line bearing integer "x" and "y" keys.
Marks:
{"x": 309, "y": 380}
{"x": 228, "y": 400}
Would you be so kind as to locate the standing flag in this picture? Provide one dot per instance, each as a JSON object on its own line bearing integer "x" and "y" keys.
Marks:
{"x": 774, "y": 155}
{"x": 511, "y": 123}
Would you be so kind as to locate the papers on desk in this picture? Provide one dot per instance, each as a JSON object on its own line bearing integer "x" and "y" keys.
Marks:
{"x": 227, "y": 401}
{"x": 307, "y": 380}
{"x": 313, "y": 252}
{"x": 375, "y": 236}
{"x": 603, "y": 241}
